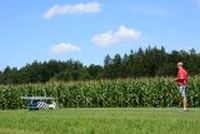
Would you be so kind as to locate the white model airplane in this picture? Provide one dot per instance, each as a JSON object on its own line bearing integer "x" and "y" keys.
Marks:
{"x": 40, "y": 102}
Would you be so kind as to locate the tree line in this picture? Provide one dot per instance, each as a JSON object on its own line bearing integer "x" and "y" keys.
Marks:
{"x": 149, "y": 62}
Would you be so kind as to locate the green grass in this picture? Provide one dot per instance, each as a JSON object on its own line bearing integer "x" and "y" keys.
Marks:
{"x": 101, "y": 121}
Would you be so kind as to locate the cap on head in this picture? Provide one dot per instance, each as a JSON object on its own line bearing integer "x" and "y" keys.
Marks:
{"x": 180, "y": 64}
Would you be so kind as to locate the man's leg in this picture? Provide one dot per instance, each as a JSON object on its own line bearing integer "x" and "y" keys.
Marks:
{"x": 184, "y": 95}
{"x": 183, "y": 91}
{"x": 185, "y": 103}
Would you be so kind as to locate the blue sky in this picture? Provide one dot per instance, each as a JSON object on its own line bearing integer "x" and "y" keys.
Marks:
{"x": 87, "y": 30}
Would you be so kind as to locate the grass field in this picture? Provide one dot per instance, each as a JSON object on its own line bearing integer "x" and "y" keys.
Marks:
{"x": 101, "y": 121}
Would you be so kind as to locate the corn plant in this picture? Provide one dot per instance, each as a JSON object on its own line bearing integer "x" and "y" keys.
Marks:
{"x": 143, "y": 92}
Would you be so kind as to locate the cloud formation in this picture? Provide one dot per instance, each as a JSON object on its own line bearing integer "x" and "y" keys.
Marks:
{"x": 63, "y": 48}
{"x": 122, "y": 34}
{"x": 90, "y": 7}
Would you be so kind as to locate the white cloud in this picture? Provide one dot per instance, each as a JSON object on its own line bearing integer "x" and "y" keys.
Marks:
{"x": 105, "y": 39}
{"x": 90, "y": 7}
{"x": 122, "y": 34}
{"x": 63, "y": 48}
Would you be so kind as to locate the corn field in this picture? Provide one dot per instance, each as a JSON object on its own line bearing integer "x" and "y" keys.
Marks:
{"x": 152, "y": 92}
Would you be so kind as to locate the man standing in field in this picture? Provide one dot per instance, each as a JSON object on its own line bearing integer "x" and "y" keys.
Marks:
{"x": 182, "y": 82}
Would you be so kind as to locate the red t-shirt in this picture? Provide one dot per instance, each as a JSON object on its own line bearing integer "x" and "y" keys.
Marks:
{"x": 182, "y": 77}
